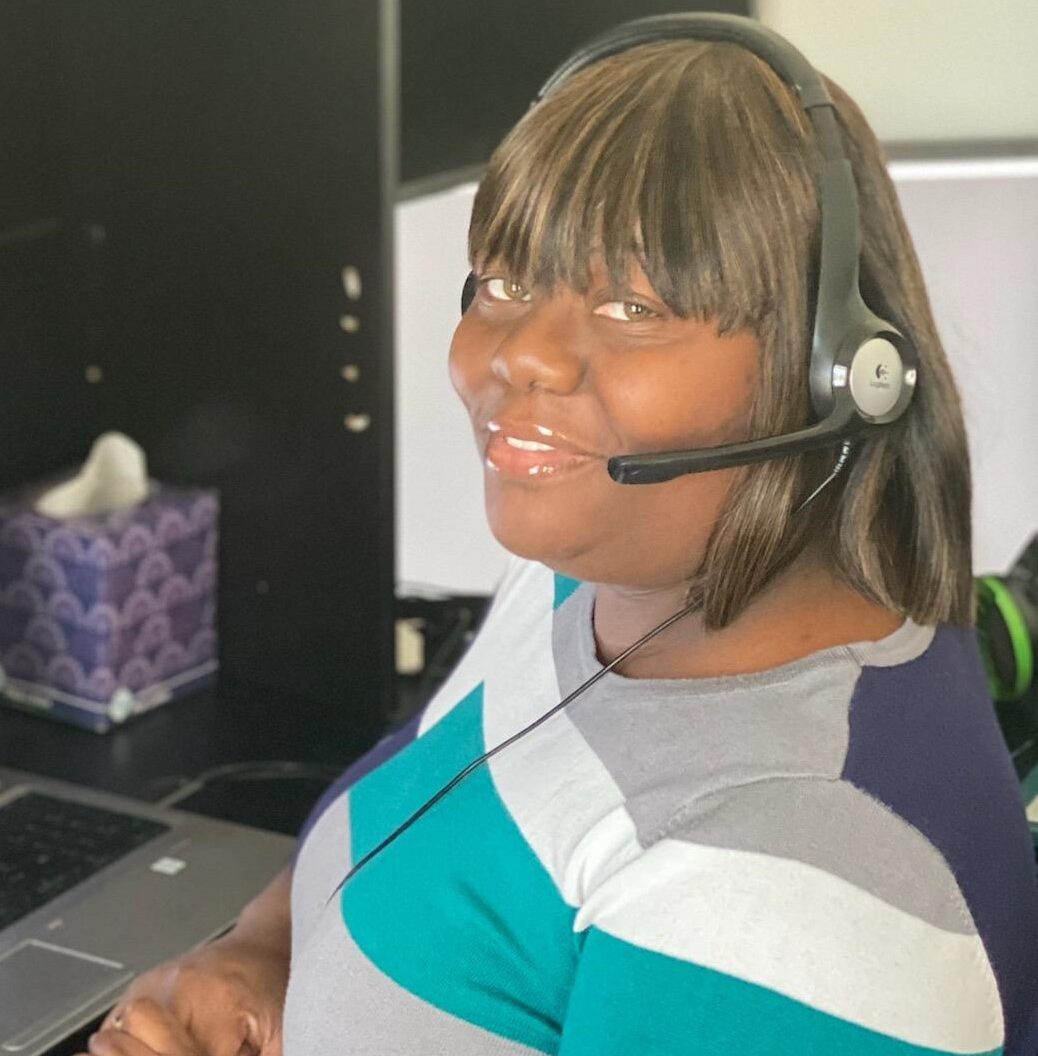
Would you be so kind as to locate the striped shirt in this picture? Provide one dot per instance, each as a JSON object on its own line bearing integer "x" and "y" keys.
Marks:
{"x": 830, "y": 856}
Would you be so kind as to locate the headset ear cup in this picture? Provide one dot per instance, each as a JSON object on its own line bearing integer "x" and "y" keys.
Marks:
{"x": 468, "y": 292}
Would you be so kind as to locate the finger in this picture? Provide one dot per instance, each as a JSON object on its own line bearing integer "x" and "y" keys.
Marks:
{"x": 118, "y": 1043}
{"x": 113, "y": 1021}
{"x": 157, "y": 1027}
{"x": 221, "y": 1031}
{"x": 216, "y": 1021}
{"x": 155, "y": 984}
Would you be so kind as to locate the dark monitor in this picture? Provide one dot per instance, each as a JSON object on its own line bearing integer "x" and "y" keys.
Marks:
{"x": 469, "y": 70}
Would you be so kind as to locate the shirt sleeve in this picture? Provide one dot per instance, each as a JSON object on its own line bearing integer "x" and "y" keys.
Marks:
{"x": 710, "y": 950}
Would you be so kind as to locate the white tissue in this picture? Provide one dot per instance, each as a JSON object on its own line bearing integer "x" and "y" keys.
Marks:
{"x": 114, "y": 477}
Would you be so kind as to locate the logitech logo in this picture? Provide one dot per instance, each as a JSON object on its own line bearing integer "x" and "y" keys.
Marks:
{"x": 882, "y": 371}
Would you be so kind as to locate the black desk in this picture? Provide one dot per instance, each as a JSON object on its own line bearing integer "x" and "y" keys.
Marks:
{"x": 146, "y": 757}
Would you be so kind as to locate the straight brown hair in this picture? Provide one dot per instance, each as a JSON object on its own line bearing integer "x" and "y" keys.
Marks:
{"x": 705, "y": 152}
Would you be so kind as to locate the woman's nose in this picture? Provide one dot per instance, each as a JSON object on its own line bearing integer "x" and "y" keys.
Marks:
{"x": 540, "y": 351}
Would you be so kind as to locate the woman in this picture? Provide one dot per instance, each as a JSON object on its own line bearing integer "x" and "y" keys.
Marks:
{"x": 786, "y": 823}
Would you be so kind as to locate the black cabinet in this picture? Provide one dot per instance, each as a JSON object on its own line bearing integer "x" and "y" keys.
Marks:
{"x": 194, "y": 249}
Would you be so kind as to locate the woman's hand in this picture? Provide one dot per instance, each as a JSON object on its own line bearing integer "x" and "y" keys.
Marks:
{"x": 143, "y": 1028}
{"x": 221, "y": 999}
{"x": 224, "y": 999}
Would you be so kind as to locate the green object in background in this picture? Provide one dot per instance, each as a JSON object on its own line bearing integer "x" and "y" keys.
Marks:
{"x": 1005, "y": 640}
{"x": 1007, "y": 634}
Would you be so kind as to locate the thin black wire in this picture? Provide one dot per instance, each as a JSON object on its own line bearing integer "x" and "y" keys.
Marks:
{"x": 841, "y": 461}
{"x": 844, "y": 456}
{"x": 252, "y": 770}
{"x": 430, "y": 803}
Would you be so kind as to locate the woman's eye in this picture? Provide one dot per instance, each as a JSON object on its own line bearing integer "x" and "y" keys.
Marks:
{"x": 505, "y": 290}
{"x": 625, "y": 311}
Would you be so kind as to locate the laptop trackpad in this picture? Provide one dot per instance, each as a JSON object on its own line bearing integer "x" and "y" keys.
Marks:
{"x": 41, "y": 985}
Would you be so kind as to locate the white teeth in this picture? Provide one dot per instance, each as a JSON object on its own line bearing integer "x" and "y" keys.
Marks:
{"x": 527, "y": 445}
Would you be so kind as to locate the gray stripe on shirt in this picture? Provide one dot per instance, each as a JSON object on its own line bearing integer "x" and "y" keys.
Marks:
{"x": 838, "y": 828}
{"x": 668, "y": 741}
{"x": 339, "y": 1002}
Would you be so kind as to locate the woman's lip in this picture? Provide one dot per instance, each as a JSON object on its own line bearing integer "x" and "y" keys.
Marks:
{"x": 502, "y": 457}
{"x": 533, "y": 432}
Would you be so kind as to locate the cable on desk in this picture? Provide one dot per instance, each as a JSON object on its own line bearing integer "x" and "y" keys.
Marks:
{"x": 440, "y": 663}
{"x": 254, "y": 770}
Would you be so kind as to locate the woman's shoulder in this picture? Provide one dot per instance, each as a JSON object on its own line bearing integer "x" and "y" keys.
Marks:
{"x": 873, "y": 842}
{"x": 811, "y": 889}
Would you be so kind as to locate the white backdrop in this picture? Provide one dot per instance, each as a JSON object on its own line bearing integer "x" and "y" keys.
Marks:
{"x": 924, "y": 69}
{"x": 442, "y": 536}
{"x": 976, "y": 230}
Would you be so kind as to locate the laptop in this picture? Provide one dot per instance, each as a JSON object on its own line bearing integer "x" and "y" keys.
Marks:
{"x": 96, "y": 888}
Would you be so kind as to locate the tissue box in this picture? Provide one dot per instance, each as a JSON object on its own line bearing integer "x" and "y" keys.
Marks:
{"x": 106, "y": 616}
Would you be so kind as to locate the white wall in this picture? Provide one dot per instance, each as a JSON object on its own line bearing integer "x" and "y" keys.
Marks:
{"x": 976, "y": 230}
{"x": 924, "y": 69}
{"x": 442, "y": 537}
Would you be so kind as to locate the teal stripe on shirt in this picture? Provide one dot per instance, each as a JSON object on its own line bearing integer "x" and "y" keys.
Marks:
{"x": 628, "y": 1000}
{"x": 564, "y": 586}
{"x": 460, "y": 888}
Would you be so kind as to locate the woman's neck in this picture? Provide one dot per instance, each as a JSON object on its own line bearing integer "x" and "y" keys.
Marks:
{"x": 805, "y": 609}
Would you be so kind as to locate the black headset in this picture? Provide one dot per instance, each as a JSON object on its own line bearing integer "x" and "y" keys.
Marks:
{"x": 863, "y": 369}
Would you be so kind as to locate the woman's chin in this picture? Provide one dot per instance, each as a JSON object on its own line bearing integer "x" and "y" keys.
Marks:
{"x": 537, "y": 536}
{"x": 534, "y": 546}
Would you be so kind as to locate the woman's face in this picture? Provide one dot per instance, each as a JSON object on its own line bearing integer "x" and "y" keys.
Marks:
{"x": 556, "y": 383}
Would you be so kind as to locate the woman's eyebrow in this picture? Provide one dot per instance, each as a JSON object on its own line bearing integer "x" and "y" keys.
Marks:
{"x": 621, "y": 289}
{"x": 626, "y": 286}
{"x": 490, "y": 264}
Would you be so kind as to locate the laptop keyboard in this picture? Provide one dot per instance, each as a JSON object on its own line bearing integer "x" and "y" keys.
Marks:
{"x": 48, "y": 845}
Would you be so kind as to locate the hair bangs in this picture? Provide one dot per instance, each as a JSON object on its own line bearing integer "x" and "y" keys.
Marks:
{"x": 653, "y": 167}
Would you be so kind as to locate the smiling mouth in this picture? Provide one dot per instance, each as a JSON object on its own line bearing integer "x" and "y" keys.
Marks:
{"x": 515, "y": 457}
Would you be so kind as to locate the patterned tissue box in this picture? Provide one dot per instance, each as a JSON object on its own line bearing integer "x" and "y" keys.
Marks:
{"x": 106, "y": 616}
